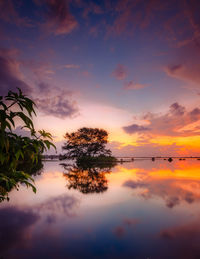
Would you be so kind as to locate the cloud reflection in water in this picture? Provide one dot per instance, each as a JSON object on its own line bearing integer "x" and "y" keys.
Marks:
{"x": 173, "y": 186}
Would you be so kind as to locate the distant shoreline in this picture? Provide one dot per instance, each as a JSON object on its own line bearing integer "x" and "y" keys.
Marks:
{"x": 130, "y": 159}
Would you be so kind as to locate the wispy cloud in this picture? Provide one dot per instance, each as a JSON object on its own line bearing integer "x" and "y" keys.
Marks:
{"x": 9, "y": 13}
{"x": 120, "y": 72}
{"x": 187, "y": 72}
{"x": 62, "y": 204}
{"x": 131, "y": 85}
{"x": 91, "y": 8}
{"x": 59, "y": 20}
{"x": 68, "y": 66}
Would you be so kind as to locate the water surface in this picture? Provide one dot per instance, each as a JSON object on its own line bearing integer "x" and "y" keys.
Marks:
{"x": 142, "y": 209}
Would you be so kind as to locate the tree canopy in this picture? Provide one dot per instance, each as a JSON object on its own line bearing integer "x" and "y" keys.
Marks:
{"x": 86, "y": 142}
{"x": 18, "y": 153}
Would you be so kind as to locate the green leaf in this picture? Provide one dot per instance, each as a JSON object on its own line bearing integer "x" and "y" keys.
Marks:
{"x": 16, "y": 151}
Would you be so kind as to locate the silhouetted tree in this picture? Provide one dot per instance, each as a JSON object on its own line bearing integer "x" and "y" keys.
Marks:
{"x": 86, "y": 142}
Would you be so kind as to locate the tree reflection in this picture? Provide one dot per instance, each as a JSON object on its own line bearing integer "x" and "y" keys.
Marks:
{"x": 87, "y": 179}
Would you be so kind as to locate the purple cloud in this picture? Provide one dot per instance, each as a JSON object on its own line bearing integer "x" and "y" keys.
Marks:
{"x": 63, "y": 203}
{"x": 9, "y": 14}
{"x": 188, "y": 72}
{"x": 131, "y": 85}
{"x": 134, "y": 185}
{"x": 119, "y": 72}
{"x": 177, "y": 109}
{"x": 59, "y": 19}
{"x": 14, "y": 225}
{"x": 10, "y": 75}
{"x": 195, "y": 113}
{"x": 58, "y": 104}
{"x": 134, "y": 128}
{"x": 172, "y": 123}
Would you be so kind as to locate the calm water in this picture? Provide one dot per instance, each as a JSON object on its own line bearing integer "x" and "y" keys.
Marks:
{"x": 142, "y": 209}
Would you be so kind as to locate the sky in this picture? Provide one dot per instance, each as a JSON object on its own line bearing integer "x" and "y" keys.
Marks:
{"x": 131, "y": 67}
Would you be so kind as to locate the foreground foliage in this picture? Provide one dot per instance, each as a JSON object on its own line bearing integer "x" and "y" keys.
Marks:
{"x": 19, "y": 156}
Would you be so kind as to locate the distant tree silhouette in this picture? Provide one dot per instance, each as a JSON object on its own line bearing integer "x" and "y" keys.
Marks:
{"x": 86, "y": 142}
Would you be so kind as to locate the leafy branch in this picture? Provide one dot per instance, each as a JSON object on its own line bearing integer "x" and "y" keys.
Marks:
{"x": 14, "y": 149}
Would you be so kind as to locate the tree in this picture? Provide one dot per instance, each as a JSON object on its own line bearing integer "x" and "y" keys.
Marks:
{"x": 86, "y": 142}
{"x": 17, "y": 152}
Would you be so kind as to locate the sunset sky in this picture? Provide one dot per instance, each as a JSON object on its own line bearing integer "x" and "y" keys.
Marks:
{"x": 131, "y": 67}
